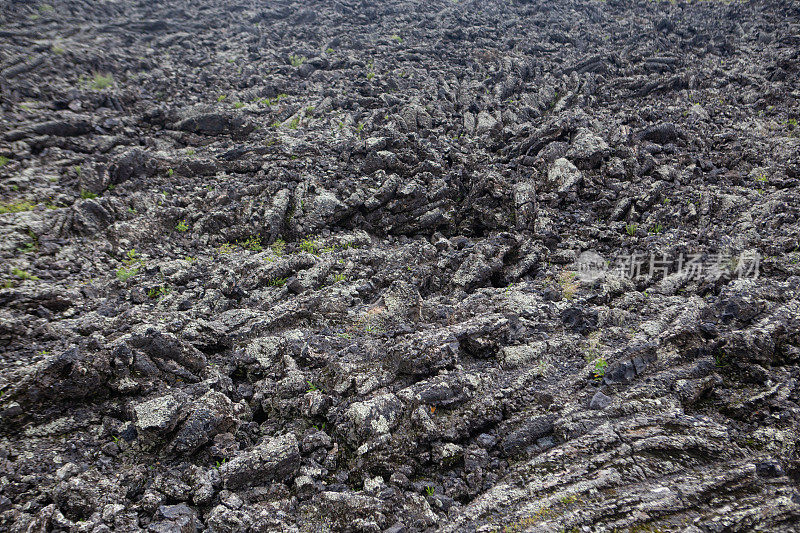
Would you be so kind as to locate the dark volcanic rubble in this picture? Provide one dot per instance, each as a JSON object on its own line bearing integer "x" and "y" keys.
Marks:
{"x": 316, "y": 266}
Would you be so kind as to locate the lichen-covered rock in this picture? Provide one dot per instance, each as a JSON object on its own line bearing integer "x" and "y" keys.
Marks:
{"x": 210, "y": 415}
{"x": 160, "y": 414}
{"x": 588, "y": 149}
{"x": 564, "y": 177}
{"x": 210, "y": 122}
{"x": 372, "y": 419}
{"x": 274, "y": 459}
{"x": 399, "y": 266}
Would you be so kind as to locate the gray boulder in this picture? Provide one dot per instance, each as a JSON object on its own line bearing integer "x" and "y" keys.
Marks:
{"x": 564, "y": 177}
{"x": 588, "y": 149}
{"x": 208, "y": 416}
{"x": 274, "y": 459}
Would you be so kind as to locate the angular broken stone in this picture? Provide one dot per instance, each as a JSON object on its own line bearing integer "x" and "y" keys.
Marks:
{"x": 273, "y": 459}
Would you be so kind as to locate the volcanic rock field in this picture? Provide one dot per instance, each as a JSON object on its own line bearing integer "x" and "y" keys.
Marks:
{"x": 399, "y": 266}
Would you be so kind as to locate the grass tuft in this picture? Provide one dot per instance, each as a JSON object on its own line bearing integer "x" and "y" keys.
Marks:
{"x": 22, "y": 274}
{"x": 101, "y": 81}
{"x": 15, "y": 207}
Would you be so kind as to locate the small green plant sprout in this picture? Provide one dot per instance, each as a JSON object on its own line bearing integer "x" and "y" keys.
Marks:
{"x": 278, "y": 247}
{"x": 656, "y": 229}
{"x": 329, "y": 249}
{"x": 396, "y": 38}
{"x": 45, "y": 8}
{"x": 630, "y": 229}
{"x": 272, "y": 101}
{"x": 360, "y": 127}
{"x": 124, "y": 274}
{"x": 115, "y": 439}
{"x": 190, "y": 259}
{"x": 276, "y": 125}
{"x": 568, "y": 499}
{"x": 309, "y": 245}
{"x": 319, "y": 428}
{"x": 311, "y": 386}
{"x": 132, "y": 264}
{"x": 309, "y": 110}
{"x": 88, "y": 195}
{"x": 23, "y": 275}
{"x": 78, "y": 170}
{"x": 297, "y": 60}
{"x": 294, "y": 123}
{"x": 329, "y": 50}
{"x": 600, "y": 365}
{"x": 170, "y": 172}
{"x": 762, "y": 177}
{"x": 339, "y": 277}
{"x": 222, "y": 97}
{"x": 28, "y": 246}
{"x": 226, "y": 248}
{"x": 277, "y": 282}
{"x": 429, "y": 490}
{"x": 253, "y": 243}
{"x": 56, "y": 49}
{"x": 218, "y": 464}
{"x": 190, "y": 151}
{"x": 238, "y": 105}
{"x": 542, "y": 368}
{"x": 157, "y": 292}
{"x": 3, "y": 160}
{"x": 182, "y": 226}
{"x": 101, "y": 81}
{"x": 371, "y": 328}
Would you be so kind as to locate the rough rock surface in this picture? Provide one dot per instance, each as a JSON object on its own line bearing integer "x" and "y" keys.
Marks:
{"x": 313, "y": 266}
